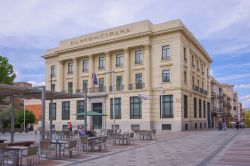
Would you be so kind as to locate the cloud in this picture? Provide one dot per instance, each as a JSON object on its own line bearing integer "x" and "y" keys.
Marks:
{"x": 245, "y": 100}
{"x": 233, "y": 77}
{"x": 242, "y": 86}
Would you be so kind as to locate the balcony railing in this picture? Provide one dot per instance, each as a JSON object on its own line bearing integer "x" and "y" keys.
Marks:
{"x": 200, "y": 90}
{"x": 136, "y": 86}
{"x": 117, "y": 88}
{"x": 99, "y": 89}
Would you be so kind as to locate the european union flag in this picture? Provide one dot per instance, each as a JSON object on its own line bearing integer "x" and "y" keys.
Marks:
{"x": 94, "y": 78}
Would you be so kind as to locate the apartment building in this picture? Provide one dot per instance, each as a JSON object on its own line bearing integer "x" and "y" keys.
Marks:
{"x": 164, "y": 62}
{"x": 224, "y": 103}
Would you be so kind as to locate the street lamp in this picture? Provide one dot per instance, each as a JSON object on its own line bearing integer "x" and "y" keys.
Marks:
{"x": 24, "y": 128}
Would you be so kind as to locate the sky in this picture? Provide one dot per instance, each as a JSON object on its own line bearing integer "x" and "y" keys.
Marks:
{"x": 28, "y": 28}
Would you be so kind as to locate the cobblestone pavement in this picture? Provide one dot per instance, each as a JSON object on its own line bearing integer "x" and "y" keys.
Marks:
{"x": 199, "y": 148}
{"x": 189, "y": 148}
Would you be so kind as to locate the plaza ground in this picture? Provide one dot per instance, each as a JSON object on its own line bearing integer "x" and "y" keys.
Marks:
{"x": 189, "y": 148}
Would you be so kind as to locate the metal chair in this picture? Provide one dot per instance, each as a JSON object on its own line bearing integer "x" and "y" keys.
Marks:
{"x": 84, "y": 143}
{"x": 72, "y": 147}
{"x": 31, "y": 155}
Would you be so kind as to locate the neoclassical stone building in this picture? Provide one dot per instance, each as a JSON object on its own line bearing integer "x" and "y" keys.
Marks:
{"x": 164, "y": 62}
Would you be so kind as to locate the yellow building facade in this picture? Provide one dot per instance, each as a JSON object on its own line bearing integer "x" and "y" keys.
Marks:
{"x": 162, "y": 62}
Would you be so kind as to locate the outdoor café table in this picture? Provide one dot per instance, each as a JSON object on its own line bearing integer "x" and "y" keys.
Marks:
{"x": 59, "y": 147}
{"x": 21, "y": 143}
{"x": 17, "y": 150}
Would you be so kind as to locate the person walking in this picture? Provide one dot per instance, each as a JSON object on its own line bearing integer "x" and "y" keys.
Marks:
{"x": 70, "y": 126}
{"x": 237, "y": 125}
{"x": 224, "y": 126}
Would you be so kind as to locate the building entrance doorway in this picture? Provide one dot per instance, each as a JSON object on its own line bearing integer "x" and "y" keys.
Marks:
{"x": 97, "y": 120}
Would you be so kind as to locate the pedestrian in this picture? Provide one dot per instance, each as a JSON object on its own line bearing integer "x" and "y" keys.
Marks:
{"x": 81, "y": 131}
{"x": 70, "y": 126}
{"x": 237, "y": 125}
{"x": 220, "y": 125}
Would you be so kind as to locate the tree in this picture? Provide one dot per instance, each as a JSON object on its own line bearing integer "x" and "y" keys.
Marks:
{"x": 247, "y": 118}
{"x": 7, "y": 74}
{"x": 19, "y": 118}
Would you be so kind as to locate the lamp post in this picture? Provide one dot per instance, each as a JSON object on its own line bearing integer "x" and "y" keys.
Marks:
{"x": 50, "y": 105}
{"x": 161, "y": 108}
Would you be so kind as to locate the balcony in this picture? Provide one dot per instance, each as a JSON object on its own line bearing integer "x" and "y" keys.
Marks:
{"x": 136, "y": 86}
{"x": 200, "y": 90}
{"x": 117, "y": 88}
{"x": 99, "y": 89}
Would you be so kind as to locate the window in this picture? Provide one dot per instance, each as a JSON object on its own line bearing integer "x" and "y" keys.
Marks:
{"x": 186, "y": 126}
{"x": 198, "y": 65}
{"x": 101, "y": 63}
{"x": 166, "y": 109}
{"x": 65, "y": 110}
{"x": 204, "y": 109}
{"x": 166, "y": 127}
{"x": 138, "y": 57}
{"x": 70, "y": 87}
{"x": 138, "y": 81}
{"x": 115, "y": 127}
{"x": 85, "y": 85}
{"x": 70, "y": 68}
{"x": 165, "y": 76}
{"x": 117, "y": 105}
{"x": 202, "y": 68}
{"x": 198, "y": 82}
{"x": 185, "y": 54}
{"x": 80, "y": 109}
{"x": 53, "y": 87}
{"x": 52, "y": 72}
{"x": 185, "y": 76}
{"x": 52, "y": 109}
{"x": 85, "y": 66}
{"x": 193, "y": 80}
{"x": 101, "y": 85}
{"x": 200, "y": 125}
{"x": 193, "y": 61}
{"x": 195, "y": 108}
{"x": 195, "y": 125}
{"x": 135, "y": 108}
{"x": 119, "y": 60}
{"x": 165, "y": 52}
{"x": 199, "y": 108}
{"x": 119, "y": 86}
{"x": 185, "y": 106}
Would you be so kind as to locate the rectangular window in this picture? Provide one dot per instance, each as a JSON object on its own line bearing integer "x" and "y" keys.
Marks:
{"x": 165, "y": 52}
{"x": 85, "y": 66}
{"x": 70, "y": 87}
{"x": 101, "y": 85}
{"x": 138, "y": 57}
{"x": 119, "y": 60}
{"x": 138, "y": 81}
{"x": 135, "y": 127}
{"x": 85, "y": 85}
{"x": 166, "y": 127}
{"x": 185, "y": 106}
{"x": 135, "y": 108}
{"x": 70, "y": 68}
{"x": 117, "y": 106}
{"x": 195, "y": 108}
{"x": 53, "y": 87}
{"x": 119, "y": 86}
{"x": 198, "y": 65}
{"x": 193, "y": 61}
{"x": 65, "y": 110}
{"x": 165, "y": 76}
{"x": 200, "y": 108}
{"x": 53, "y": 72}
{"x": 202, "y": 68}
{"x": 52, "y": 108}
{"x": 185, "y": 54}
{"x": 204, "y": 109}
{"x": 193, "y": 80}
{"x": 101, "y": 63}
{"x": 185, "y": 76}
{"x": 167, "y": 106}
{"x": 80, "y": 109}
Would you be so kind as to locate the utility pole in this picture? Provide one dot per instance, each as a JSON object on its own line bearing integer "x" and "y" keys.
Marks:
{"x": 85, "y": 91}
